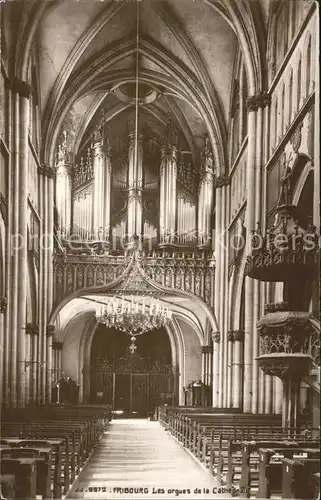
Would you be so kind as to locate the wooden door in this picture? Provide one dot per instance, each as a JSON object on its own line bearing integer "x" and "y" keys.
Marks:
{"x": 140, "y": 394}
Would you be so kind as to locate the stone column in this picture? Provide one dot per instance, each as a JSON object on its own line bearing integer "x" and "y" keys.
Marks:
{"x": 268, "y": 402}
{"x": 278, "y": 395}
{"x": 226, "y": 290}
{"x": 42, "y": 293}
{"x": 207, "y": 354}
{"x": 135, "y": 186}
{"x": 28, "y": 361}
{"x": 13, "y": 266}
{"x": 216, "y": 368}
{"x": 221, "y": 184}
{"x": 237, "y": 337}
{"x": 46, "y": 206}
{"x": 45, "y": 266}
{"x": 217, "y": 291}
{"x": 50, "y": 282}
{"x": 101, "y": 194}
{"x": 206, "y": 196}
{"x": 3, "y": 308}
{"x": 21, "y": 94}
{"x": 64, "y": 188}
{"x": 249, "y": 283}
{"x": 35, "y": 335}
{"x": 260, "y": 102}
{"x": 229, "y": 395}
{"x": 254, "y": 187}
{"x": 223, "y": 343}
{"x": 50, "y": 330}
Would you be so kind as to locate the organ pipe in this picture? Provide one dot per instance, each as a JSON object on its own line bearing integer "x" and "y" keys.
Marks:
{"x": 168, "y": 175}
{"x": 135, "y": 186}
{"x": 102, "y": 185}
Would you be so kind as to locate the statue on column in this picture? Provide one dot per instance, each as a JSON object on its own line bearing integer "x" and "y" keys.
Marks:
{"x": 64, "y": 150}
{"x": 100, "y": 133}
{"x": 207, "y": 158}
{"x": 171, "y": 136}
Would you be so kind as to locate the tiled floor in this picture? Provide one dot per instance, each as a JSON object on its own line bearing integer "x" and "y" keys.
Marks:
{"x": 138, "y": 459}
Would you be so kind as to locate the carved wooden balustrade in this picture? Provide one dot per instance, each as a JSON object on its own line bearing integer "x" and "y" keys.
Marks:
{"x": 192, "y": 272}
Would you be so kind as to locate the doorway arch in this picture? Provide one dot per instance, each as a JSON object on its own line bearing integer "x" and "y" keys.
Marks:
{"x": 133, "y": 383}
{"x": 75, "y": 331}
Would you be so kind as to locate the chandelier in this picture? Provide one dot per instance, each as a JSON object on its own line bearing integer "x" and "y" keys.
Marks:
{"x": 134, "y": 318}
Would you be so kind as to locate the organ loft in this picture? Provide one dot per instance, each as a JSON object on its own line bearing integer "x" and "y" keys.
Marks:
{"x": 159, "y": 248}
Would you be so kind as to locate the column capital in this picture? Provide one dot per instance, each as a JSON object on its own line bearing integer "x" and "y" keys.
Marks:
{"x": 20, "y": 87}
{"x": 216, "y": 337}
{"x": 102, "y": 149}
{"x": 57, "y": 345}
{"x": 235, "y": 335}
{"x": 50, "y": 330}
{"x": 222, "y": 180}
{"x": 62, "y": 169}
{"x": 207, "y": 349}
{"x": 132, "y": 138}
{"x": 3, "y": 304}
{"x": 32, "y": 329}
{"x": 170, "y": 138}
{"x": 257, "y": 101}
{"x": 46, "y": 171}
{"x": 169, "y": 152}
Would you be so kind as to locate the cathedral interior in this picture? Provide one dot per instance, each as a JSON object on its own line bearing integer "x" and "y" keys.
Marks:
{"x": 159, "y": 207}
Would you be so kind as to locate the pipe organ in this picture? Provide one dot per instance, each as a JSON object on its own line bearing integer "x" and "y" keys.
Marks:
{"x": 186, "y": 202}
{"x": 83, "y": 198}
{"x": 168, "y": 187}
{"x": 163, "y": 199}
{"x": 135, "y": 186}
{"x": 101, "y": 186}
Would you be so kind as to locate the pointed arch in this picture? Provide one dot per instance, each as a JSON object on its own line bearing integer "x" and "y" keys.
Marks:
{"x": 290, "y": 108}
{"x": 308, "y": 65}
{"x": 299, "y": 82}
{"x": 92, "y": 77}
{"x": 240, "y": 17}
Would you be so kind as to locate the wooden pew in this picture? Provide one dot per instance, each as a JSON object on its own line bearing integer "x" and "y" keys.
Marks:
{"x": 67, "y": 456}
{"x": 201, "y": 429}
{"x": 190, "y": 427}
{"x": 71, "y": 431}
{"x": 42, "y": 456}
{"x": 251, "y": 460}
{"x": 271, "y": 467}
{"x": 25, "y": 472}
{"x": 298, "y": 478}
{"x": 8, "y": 486}
{"x": 237, "y": 448}
{"x": 55, "y": 476}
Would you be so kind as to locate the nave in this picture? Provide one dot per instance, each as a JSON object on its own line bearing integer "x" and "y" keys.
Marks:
{"x": 137, "y": 458}
{"x": 160, "y": 244}
{"x": 80, "y": 451}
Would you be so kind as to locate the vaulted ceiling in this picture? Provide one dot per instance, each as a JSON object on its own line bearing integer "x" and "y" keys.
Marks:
{"x": 87, "y": 52}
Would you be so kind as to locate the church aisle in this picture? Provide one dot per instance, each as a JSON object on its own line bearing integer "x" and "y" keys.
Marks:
{"x": 139, "y": 454}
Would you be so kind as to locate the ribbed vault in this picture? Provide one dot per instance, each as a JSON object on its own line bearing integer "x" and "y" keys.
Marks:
{"x": 91, "y": 52}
